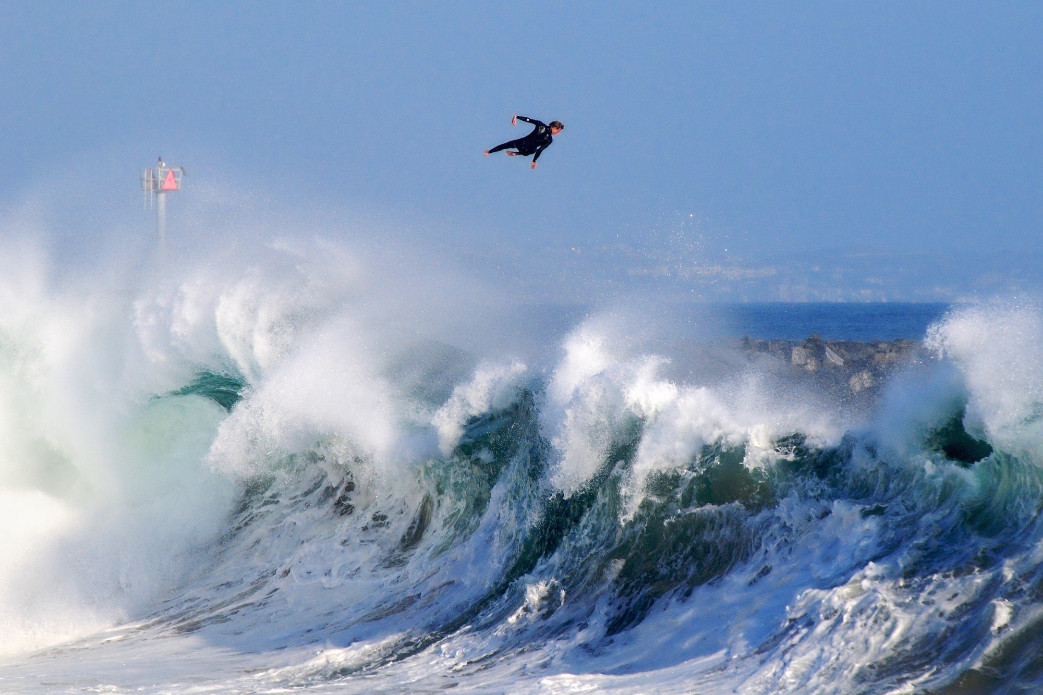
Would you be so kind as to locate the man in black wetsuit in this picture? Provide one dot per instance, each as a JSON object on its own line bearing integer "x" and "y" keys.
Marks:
{"x": 534, "y": 143}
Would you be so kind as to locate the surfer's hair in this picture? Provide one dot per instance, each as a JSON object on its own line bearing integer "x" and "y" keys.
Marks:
{"x": 557, "y": 124}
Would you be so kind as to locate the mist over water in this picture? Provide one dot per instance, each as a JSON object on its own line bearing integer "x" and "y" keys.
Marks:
{"x": 271, "y": 456}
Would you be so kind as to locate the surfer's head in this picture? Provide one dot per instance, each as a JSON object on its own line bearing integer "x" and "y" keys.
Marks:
{"x": 556, "y": 127}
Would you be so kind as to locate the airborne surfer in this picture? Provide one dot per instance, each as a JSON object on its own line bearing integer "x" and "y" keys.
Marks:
{"x": 534, "y": 143}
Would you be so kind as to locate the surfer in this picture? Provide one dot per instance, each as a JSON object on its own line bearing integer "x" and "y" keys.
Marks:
{"x": 534, "y": 143}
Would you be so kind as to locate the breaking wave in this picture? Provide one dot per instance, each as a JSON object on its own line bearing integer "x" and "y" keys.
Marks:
{"x": 242, "y": 478}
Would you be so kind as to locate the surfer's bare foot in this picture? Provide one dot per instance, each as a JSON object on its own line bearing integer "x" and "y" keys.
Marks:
{"x": 533, "y": 165}
{"x": 487, "y": 153}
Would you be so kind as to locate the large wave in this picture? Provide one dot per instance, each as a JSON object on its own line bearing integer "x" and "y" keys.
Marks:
{"x": 246, "y": 474}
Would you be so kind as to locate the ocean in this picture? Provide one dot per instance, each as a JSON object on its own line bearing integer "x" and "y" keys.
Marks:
{"x": 837, "y": 321}
{"x": 263, "y": 476}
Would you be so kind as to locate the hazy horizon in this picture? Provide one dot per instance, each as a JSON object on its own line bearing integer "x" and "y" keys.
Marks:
{"x": 736, "y": 153}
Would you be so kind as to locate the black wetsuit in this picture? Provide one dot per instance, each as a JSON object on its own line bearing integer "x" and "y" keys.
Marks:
{"x": 533, "y": 143}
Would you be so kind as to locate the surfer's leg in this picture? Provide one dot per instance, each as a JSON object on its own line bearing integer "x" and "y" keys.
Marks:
{"x": 504, "y": 146}
{"x": 525, "y": 146}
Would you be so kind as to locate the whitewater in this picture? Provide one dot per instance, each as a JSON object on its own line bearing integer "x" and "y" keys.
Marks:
{"x": 275, "y": 470}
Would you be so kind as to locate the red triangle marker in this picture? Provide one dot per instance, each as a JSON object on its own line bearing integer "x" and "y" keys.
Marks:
{"x": 169, "y": 183}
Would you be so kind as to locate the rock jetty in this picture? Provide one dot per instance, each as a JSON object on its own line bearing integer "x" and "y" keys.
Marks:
{"x": 852, "y": 365}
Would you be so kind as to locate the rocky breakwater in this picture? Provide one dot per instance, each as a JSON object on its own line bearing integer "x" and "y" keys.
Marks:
{"x": 853, "y": 366}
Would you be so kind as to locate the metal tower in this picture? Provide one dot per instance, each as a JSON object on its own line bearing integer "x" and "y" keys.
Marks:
{"x": 155, "y": 184}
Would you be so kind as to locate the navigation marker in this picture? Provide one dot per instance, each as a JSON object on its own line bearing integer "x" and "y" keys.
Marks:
{"x": 155, "y": 183}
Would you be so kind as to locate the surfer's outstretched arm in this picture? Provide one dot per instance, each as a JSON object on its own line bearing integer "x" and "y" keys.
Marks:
{"x": 536, "y": 156}
{"x": 528, "y": 120}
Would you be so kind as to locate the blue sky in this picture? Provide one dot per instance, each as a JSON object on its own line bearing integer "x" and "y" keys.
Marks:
{"x": 728, "y": 150}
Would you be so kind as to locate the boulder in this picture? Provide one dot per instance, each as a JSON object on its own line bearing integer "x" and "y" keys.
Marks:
{"x": 853, "y": 365}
